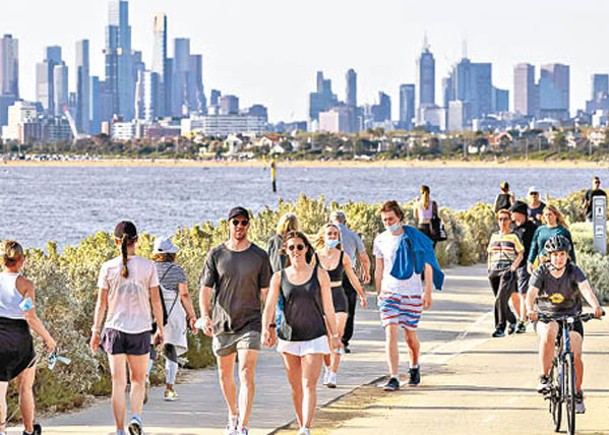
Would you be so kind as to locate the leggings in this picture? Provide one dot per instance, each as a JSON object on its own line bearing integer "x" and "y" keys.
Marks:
{"x": 171, "y": 362}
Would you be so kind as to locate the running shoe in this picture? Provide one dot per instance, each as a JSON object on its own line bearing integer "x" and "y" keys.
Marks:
{"x": 304, "y": 431}
{"x": 511, "y": 328}
{"x": 347, "y": 349}
{"x": 170, "y": 396}
{"x": 37, "y": 430}
{"x": 230, "y": 430}
{"x": 242, "y": 431}
{"x": 331, "y": 380}
{"x": 498, "y": 333}
{"x": 135, "y": 426}
{"x": 545, "y": 383}
{"x": 580, "y": 408}
{"x": 392, "y": 385}
{"x": 521, "y": 328}
{"x": 414, "y": 378}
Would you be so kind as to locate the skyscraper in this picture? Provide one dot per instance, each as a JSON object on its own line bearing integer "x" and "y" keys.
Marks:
{"x": 160, "y": 64}
{"x": 351, "y": 99}
{"x": 44, "y": 78}
{"x": 526, "y": 99}
{"x": 407, "y": 106}
{"x": 83, "y": 87}
{"x": 146, "y": 95}
{"x": 381, "y": 112}
{"x": 600, "y": 85}
{"x": 554, "y": 90}
{"x": 426, "y": 77}
{"x": 60, "y": 88}
{"x": 94, "y": 107}
{"x": 198, "y": 102}
{"x": 470, "y": 82}
{"x": 181, "y": 69}
{"x": 323, "y": 99}
{"x": 9, "y": 66}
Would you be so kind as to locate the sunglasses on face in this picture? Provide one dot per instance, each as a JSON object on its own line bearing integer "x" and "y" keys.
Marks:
{"x": 504, "y": 219}
{"x": 243, "y": 223}
{"x": 298, "y": 247}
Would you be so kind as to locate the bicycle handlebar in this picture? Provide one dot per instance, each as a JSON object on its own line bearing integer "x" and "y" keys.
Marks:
{"x": 565, "y": 317}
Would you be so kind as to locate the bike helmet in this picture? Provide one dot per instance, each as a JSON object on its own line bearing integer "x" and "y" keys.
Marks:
{"x": 557, "y": 243}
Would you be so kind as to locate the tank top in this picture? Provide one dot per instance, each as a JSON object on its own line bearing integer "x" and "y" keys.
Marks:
{"x": 10, "y": 298}
{"x": 425, "y": 214}
{"x": 503, "y": 202}
{"x": 336, "y": 274}
{"x": 303, "y": 310}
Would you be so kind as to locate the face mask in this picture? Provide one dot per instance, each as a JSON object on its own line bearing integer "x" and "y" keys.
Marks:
{"x": 393, "y": 228}
{"x": 332, "y": 243}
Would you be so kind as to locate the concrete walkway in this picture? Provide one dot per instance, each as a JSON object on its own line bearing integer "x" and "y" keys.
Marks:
{"x": 452, "y": 332}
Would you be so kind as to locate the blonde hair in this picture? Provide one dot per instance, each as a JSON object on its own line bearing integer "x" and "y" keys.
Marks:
{"x": 502, "y": 211}
{"x": 560, "y": 219}
{"x": 11, "y": 252}
{"x": 425, "y": 196}
{"x": 288, "y": 222}
{"x": 321, "y": 234}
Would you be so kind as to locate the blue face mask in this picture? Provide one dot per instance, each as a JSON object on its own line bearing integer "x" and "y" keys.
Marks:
{"x": 393, "y": 228}
{"x": 332, "y": 243}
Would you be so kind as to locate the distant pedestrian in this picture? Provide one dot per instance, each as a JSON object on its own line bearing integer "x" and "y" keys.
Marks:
{"x": 309, "y": 316}
{"x": 287, "y": 223}
{"x": 424, "y": 210}
{"x": 588, "y": 201}
{"x": 129, "y": 291}
{"x": 17, "y": 317}
{"x": 178, "y": 305}
{"x": 505, "y": 199}
{"x": 274, "y": 175}
{"x": 402, "y": 254}
{"x": 554, "y": 224}
{"x": 525, "y": 230}
{"x": 237, "y": 274}
{"x": 354, "y": 247}
{"x": 535, "y": 206}
{"x": 505, "y": 253}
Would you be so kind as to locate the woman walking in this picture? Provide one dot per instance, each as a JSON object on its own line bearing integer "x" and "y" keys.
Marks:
{"x": 178, "y": 305}
{"x": 505, "y": 199}
{"x": 330, "y": 257}
{"x": 128, "y": 287}
{"x": 302, "y": 335}
{"x": 424, "y": 210}
{"x": 17, "y": 316}
{"x": 554, "y": 224}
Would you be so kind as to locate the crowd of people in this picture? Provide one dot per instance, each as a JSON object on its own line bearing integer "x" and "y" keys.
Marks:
{"x": 299, "y": 296}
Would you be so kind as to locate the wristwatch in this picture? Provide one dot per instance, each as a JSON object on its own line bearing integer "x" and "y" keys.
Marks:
{"x": 272, "y": 325}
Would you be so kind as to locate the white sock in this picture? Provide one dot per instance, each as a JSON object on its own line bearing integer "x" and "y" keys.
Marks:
{"x": 416, "y": 366}
{"x": 395, "y": 375}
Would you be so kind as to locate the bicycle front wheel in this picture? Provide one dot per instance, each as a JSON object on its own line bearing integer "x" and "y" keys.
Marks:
{"x": 569, "y": 392}
{"x": 553, "y": 397}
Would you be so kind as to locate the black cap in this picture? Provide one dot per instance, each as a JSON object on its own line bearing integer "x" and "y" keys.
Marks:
{"x": 238, "y": 211}
{"x": 519, "y": 207}
{"x": 125, "y": 227}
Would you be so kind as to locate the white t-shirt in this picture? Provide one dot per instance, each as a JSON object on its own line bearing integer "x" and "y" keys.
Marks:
{"x": 385, "y": 247}
{"x": 129, "y": 298}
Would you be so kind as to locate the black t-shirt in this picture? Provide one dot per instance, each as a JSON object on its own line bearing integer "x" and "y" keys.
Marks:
{"x": 503, "y": 202}
{"x": 525, "y": 232}
{"x": 558, "y": 295}
{"x": 533, "y": 212}
{"x": 591, "y": 193}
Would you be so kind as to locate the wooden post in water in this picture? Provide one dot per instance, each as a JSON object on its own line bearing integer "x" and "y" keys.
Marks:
{"x": 274, "y": 175}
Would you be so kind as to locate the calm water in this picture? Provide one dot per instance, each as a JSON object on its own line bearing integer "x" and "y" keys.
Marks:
{"x": 66, "y": 204}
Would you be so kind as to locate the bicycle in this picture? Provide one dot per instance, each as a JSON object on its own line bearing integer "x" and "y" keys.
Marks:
{"x": 562, "y": 373}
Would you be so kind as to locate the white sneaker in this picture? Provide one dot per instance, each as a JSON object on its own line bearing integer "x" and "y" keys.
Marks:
{"x": 231, "y": 426}
{"x": 326, "y": 375}
{"x": 304, "y": 431}
{"x": 331, "y": 380}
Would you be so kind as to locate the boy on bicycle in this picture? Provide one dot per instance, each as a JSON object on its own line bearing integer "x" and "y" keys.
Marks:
{"x": 556, "y": 288}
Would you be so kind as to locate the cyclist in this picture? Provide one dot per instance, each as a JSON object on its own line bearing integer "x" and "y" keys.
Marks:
{"x": 556, "y": 288}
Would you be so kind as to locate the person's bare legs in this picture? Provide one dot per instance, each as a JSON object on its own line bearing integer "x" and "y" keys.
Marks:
{"x": 547, "y": 337}
{"x": 247, "y": 387}
{"x": 341, "y": 320}
{"x": 3, "y": 416}
{"x": 412, "y": 341}
{"x": 118, "y": 369}
{"x": 391, "y": 348}
{"x": 27, "y": 405}
{"x": 226, "y": 374}
{"x": 138, "y": 366}
{"x": 293, "y": 370}
{"x": 518, "y": 304}
{"x": 311, "y": 368}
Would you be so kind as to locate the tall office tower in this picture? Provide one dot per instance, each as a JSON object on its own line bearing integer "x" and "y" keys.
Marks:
{"x": 60, "y": 88}
{"x": 470, "y": 82}
{"x": 160, "y": 64}
{"x": 526, "y": 98}
{"x": 120, "y": 83}
{"x": 196, "y": 92}
{"x": 146, "y": 95}
{"x": 426, "y": 77}
{"x": 381, "y": 112}
{"x": 83, "y": 87}
{"x": 323, "y": 99}
{"x": 407, "y": 106}
{"x": 229, "y": 105}
{"x": 94, "y": 107}
{"x": 600, "y": 85}
{"x": 554, "y": 91}
{"x": 44, "y": 78}
{"x": 9, "y": 66}
{"x": 351, "y": 99}
{"x": 181, "y": 69}
{"x": 214, "y": 98}
{"x": 501, "y": 100}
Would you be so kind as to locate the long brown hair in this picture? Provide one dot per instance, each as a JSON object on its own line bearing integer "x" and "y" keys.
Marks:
{"x": 560, "y": 219}
{"x": 296, "y": 235}
{"x": 425, "y": 196}
{"x": 126, "y": 233}
{"x": 12, "y": 252}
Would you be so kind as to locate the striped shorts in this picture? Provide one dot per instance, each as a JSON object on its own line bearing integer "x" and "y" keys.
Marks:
{"x": 404, "y": 310}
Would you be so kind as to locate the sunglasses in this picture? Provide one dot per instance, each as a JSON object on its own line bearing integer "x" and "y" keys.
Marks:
{"x": 298, "y": 247}
{"x": 243, "y": 223}
{"x": 504, "y": 219}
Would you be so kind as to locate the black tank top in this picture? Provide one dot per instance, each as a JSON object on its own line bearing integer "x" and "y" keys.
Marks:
{"x": 303, "y": 310}
{"x": 336, "y": 274}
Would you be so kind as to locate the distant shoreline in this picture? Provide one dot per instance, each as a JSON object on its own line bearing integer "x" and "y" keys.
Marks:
{"x": 163, "y": 163}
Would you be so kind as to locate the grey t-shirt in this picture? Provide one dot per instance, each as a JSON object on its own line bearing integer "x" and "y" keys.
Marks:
{"x": 352, "y": 243}
{"x": 558, "y": 295}
{"x": 237, "y": 277}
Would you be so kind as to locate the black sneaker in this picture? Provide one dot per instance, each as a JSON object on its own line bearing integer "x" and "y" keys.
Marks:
{"x": 392, "y": 385}
{"x": 347, "y": 349}
{"x": 414, "y": 376}
{"x": 545, "y": 383}
{"x": 37, "y": 430}
{"x": 511, "y": 328}
{"x": 498, "y": 333}
{"x": 521, "y": 328}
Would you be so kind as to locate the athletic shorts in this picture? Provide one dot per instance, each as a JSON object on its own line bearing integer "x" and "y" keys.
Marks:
{"x": 116, "y": 342}
{"x": 16, "y": 348}
{"x": 577, "y": 326}
{"x": 318, "y": 345}
{"x": 522, "y": 280}
{"x": 226, "y": 343}
{"x": 400, "y": 309}
{"x": 339, "y": 299}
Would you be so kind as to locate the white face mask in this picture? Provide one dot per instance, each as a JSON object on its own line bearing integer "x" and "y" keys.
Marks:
{"x": 393, "y": 228}
{"x": 332, "y": 243}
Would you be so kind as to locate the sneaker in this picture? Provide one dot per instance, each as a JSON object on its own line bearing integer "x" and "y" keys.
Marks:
{"x": 545, "y": 383}
{"x": 498, "y": 333}
{"x": 392, "y": 385}
{"x": 580, "y": 408}
{"x": 331, "y": 380}
{"x": 511, "y": 328}
{"x": 230, "y": 430}
{"x": 135, "y": 426}
{"x": 521, "y": 328}
{"x": 347, "y": 349}
{"x": 170, "y": 396}
{"x": 414, "y": 376}
{"x": 326, "y": 375}
{"x": 304, "y": 431}
{"x": 37, "y": 430}
{"x": 242, "y": 431}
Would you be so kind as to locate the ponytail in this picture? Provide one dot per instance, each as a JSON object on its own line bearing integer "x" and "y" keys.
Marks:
{"x": 12, "y": 253}
{"x": 425, "y": 197}
{"x": 124, "y": 243}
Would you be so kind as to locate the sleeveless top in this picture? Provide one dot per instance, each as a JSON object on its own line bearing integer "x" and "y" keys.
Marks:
{"x": 336, "y": 274}
{"x": 425, "y": 214}
{"x": 503, "y": 202}
{"x": 303, "y": 309}
{"x": 10, "y": 298}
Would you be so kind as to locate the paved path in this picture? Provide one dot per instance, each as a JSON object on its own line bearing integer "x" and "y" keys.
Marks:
{"x": 452, "y": 331}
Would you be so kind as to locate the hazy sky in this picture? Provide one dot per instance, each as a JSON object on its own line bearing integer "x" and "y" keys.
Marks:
{"x": 267, "y": 51}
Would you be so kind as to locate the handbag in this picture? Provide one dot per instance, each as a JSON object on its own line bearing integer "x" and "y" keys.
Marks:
{"x": 438, "y": 232}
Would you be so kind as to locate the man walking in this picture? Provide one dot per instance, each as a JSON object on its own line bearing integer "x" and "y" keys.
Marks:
{"x": 589, "y": 195}
{"x": 355, "y": 249}
{"x": 237, "y": 273}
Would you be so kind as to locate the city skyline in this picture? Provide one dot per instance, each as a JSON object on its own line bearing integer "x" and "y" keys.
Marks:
{"x": 243, "y": 55}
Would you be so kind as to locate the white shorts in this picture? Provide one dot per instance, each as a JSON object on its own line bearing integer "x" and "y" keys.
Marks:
{"x": 301, "y": 348}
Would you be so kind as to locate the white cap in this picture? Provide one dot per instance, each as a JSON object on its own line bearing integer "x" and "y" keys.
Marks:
{"x": 164, "y": 246}
{"x": 533, "y": 189}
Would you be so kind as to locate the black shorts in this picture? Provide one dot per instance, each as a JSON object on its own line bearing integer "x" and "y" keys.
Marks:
{"x": 522, "y": 279}
{"x": 577, "y": 326}
{"x": 116, "y": 342}
{"x": 339, "y": 298}
{"x": 16, "y": 348}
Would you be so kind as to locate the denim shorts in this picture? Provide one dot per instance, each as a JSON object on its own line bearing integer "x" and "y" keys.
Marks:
{"x": 116, "y": 342}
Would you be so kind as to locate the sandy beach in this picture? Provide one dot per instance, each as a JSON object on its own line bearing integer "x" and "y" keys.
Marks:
{"x": 319, "y": 163}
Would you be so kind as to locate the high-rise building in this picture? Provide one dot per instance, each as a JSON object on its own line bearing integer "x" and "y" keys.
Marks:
{"x": 470, "y": 82}
{"x": 60, "y": 88}
{"x": 83, "y": 87}
{"x": 196, "y": 92}
{"x": 381, "y": 112}
{"x": 351, "y": 94}
{"x": 459, "y": 115}
{"x": 181, "y": 69}
{"x": 554, "y": 90}
{"x": 214, "y": 98}
{"x": 146, "y": 95}
{"x": 426, "y": 77}
{"x": 9, "y": 66}
{"x": 44, "y": 78}
{"x": 407, "y": 106}
{"x": 229, "y": 105}
{"x": 160, "y": 65}
{"x": 600, "y": 85}
{"x": 526, "y": 99}
{"x": 501, "y": 100}
{"x": 94, "y": 107}
{"x": 323, "y": 99}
